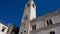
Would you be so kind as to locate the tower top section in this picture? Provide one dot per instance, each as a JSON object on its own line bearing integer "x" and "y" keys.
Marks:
{"x": 30, "y": 0}
{"x": 29, "y": 11}
{"x": 30, "y": 3}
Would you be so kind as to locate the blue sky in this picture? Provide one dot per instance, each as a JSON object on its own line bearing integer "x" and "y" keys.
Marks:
{"x": 11, "y": 11}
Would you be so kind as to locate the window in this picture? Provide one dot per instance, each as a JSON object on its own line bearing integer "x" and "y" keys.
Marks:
{"x": 3, "y": 29}
{"x": 21, "y": 32}
{"x": 25, "y": 17}
{"x": 49, "y": 22}
{"x": 8, "y": 30}
{"x": 28, "y": 5}
{"x": 34, "y": 27}
{"x": 52, "y": 32}
{"x": 33, "y": 5}
{"x": 24, "y": 31}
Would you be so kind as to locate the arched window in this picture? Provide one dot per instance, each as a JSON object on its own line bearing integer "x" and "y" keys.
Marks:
{"x": 25, "y": 17}
{"x": 52, "y": 32}
{"x": 33, "y": 5}
{"x": 34, "y": 27}
{"x": 3, "y": 29}
{"x": 28, "y": 5}
{"x": 21, "y": 32}
{"x": 49, "y": 22}
{"x": 24, "y": 31}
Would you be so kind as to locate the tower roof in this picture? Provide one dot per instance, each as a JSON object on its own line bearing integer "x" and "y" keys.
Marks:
{"x": 30, "y": 0}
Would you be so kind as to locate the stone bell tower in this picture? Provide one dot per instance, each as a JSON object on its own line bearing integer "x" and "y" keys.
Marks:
{"x": 30, "y": 11}
{"x": 29, "y": 14}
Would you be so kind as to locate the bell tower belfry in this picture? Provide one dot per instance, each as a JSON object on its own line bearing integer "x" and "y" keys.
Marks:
{"x": 29, "y": 11}
{"x": 29, "y": 14}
